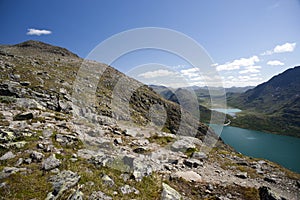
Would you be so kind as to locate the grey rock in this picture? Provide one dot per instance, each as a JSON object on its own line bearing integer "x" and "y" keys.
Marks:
{"x": 23, "y": 116}
{"x": 77, "y": 195}
{"x": 10, "y": 88}
{"x": 6, "y": 136}
{"x": 16, "y": 145}
{"x": 7, "y": 171}
{"x": 192, "y": 163}
{"x": 36, "y": 156}
{"x": 50, "y": 163}
{"x": 19, "y": 162}
{"x": 7, "y": 156}
{"x": 169, "y": 193}
{"x": 189, "y": 176}
{"x": 182, "y": 145}
{"x": 118, "y": 141}
{"x": 62, "y": 182}
{"x": 266, "y": 193}
{"x": 66, "y": 139}
{"x": 242, "y": 175}
{"x": 298, "y": 184}
{"x": 270, "y": 179}
{"x": 199, "y": 155}
{"x": 28, "y": 160}
{"x": 130, "y": 133}
{"x": 126, "y": 189}
{"x": 99, "y": 196}
{"x": 47, "y": 133}
{"x": 25, "y": 83}
{"x": 261, "y": 162}
{"x": 107, "y": 180}
{"x": 40, "y": 146}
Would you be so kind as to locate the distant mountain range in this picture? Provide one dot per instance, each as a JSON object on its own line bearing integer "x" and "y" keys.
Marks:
{"x": 273, "y": 106}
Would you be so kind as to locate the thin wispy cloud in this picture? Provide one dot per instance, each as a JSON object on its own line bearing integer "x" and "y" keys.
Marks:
{"x": 275, "y": 63}
{"x": 250, "y": 69}
{"x": 38, "y": 32}
{"x": 157, "y": 73}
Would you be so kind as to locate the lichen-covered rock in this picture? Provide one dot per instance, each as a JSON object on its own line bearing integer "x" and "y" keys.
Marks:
{"x": 127, "y": 189}
{"x": 7, "y": 156}
{"x": 62, "y": 182}
{"x": 99, "y": 196}
{"x": 50, "y": 163}
{"x": 169, "y": 193}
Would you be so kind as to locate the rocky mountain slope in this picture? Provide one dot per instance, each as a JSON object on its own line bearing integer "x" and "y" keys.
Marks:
{"x": 48, "y": 151}
{"x": 273, "y": 106}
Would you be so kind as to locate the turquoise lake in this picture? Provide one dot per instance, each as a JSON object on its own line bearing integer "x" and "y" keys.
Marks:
{"x": 281, "y": 149}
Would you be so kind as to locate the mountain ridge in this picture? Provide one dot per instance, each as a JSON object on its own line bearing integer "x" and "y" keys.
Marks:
{"x": 276, "y": 100}
{"x": 49, "y": 152}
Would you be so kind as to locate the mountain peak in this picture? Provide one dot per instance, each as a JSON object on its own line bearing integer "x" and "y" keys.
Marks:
{"x": 37, "y": 47}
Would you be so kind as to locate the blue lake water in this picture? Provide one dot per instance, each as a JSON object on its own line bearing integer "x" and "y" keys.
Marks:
{"x": 281, "y": 149}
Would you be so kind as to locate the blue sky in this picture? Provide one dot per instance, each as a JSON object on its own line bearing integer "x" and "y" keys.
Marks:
{"x": 250, "y": 41}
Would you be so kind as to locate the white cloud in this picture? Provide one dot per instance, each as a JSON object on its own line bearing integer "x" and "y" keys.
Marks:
{"x": 157, "y": 73}
{"x": 32, "y": 31}
{"x": 236, "y": 64}
{"x": 192, "y": 72}
{"x": 275, "y": 63}
{"x": 287, "y": 47}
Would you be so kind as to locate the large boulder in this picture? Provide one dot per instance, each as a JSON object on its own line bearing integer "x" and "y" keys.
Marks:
{"x": 265, "y": 193}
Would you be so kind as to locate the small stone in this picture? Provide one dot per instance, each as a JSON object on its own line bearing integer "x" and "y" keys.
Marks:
{"x": 270, "y": 179}
{"x": 19, "y": 162}
{"x": 126, "y": 189}
{"x": 199, "y": 155}
{"x": 7, "y": 156}
{"x": 25, "y": 83}
{"x": 140, "y": 150}
{"x": 40, "y": 146}
{"x": 99, "y": 196}
{"x": 36, "y": 156}
{"x": 192, "y": 163}
{"x": 242, "y": 175}
{"x": 28, "y": 161}
{"x": 23, "y": 116}
{"x": 107, "y": 180}
{"x": 118, "y": 141}
{"x": 261, "y": 162}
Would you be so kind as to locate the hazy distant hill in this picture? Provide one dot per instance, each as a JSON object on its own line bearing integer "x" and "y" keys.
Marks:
{"x": 277, "y": 103}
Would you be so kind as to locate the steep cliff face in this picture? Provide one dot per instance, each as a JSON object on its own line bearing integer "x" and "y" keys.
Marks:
{"x": 61, "y": 140}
